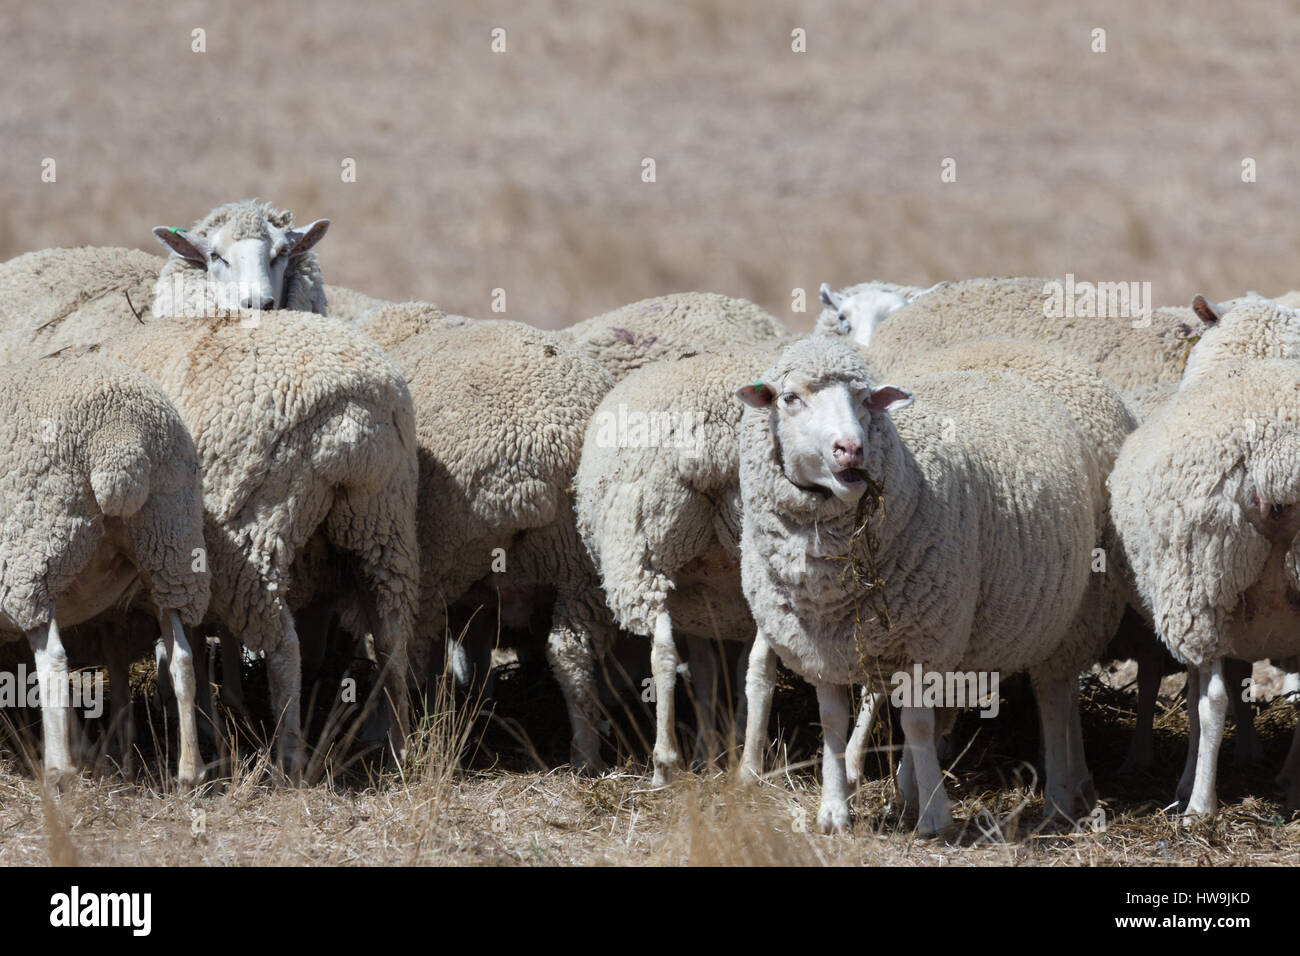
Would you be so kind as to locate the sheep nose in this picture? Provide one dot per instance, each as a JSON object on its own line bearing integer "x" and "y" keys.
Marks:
{"x": 847, "y": 452}
{"x": 262, "y": 302}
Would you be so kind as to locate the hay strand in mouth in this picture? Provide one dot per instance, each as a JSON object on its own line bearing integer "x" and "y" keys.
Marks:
{"x": 861, "y": 578}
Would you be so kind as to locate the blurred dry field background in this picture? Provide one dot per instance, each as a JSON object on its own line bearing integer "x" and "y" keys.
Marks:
{"x": 775, "y": 170}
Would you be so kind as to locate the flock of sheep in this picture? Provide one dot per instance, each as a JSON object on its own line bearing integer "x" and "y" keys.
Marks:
{"x": 944, "y": 478}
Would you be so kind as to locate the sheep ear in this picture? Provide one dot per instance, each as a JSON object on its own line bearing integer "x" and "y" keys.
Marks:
{"x": 830, "y": 297}
{"x": 889, "y": 398}
{"x": 1206, "y": 311}
{"x": 301, "y": 240}
{"x": 757, "y": 395}
{"x": 194, "y": 248}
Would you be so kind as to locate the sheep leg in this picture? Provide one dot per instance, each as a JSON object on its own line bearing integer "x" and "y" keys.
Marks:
{"x": 121, "y": 713}
{"x": 1083, "y": 792}
{"x": 163, "y": 692}
{"x": 56, "y": 709}
{"x": 181, "y": 669}
{"x": 284, "y": 677}
{"x": 856, "y": 754}
{"x": 1213, "y": 711}
{"x": 742, "y": 701}
{"x": 833, "y": 706}
{"x": 571, "y": 654}
{"x": 704, "y": 690}
{"x": 1053, "y": 696}
{"x": 1290, "y": 775}
{"x": 906, "y": 780}
{"x": 663, "y": 664}
{"x": 391, "y": 656}
{"x": 1184, "y": 792}
{"x": 1237, "y": 675}
{"x": 1141, "y": 747}
{"x": 918, "y": 739}
{"x": 760, "y": 681}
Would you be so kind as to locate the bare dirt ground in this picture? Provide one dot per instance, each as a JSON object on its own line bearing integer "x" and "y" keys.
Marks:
{"x": 774, "y": 171}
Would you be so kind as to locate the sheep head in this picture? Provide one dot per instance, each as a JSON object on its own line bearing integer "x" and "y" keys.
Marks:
{"x": 245, "y": 256}
{"x": 820, "y": 414}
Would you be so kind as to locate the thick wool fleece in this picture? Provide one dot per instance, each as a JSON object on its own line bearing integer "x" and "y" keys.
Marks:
{"x": 350, "y": 306}
{"x": 1204, "y": 494}
{"x": 501, "y": 408}
{"x": 671, "y": 326}
{"x": 300, "y": 424}
{"x": 394, "y": 323}
{"x": 1254, "y": 330}
{"x": 658, "y": 493}
{"x": 97, "y": 463}
{"x": 304, "y": 287}
{"x": 1129, "y": 358}
{"x": 992, "y": 498}
{"x": 55, "y": 299}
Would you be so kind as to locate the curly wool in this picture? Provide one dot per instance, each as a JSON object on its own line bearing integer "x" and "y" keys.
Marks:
{"x": 658, "y": 493}
{"x": 55, "y": 299}
{"x": 671, "y": 326}
{"x": 88, "y": 443}
{"x": 1192, "y": 488}
{"x": 304, "y": 287}
{"x": 393, "y": 323}
{"x": 301, "y": 424}
{"x": 1129, "y": 358}
{"x": 500, "y": 412}
{"x": 992, "y": 501}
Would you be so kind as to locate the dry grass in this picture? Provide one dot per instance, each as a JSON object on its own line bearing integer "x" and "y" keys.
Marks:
{"x": 434, "y": 812}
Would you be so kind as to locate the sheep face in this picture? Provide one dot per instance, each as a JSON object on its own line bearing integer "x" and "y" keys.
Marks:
{"x": 245, "y": 267}
{"x": 857, "y": 316}
{"x": 820, "y": 426}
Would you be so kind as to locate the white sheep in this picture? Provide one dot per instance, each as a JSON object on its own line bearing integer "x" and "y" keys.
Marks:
{"x": 657, "y": 496}
{"x": 1141, "y": 354}
{"x": 978, "y": 553}
{"x": 501, "y": 409}
{"x": 248, "y": 255}
{"x": 856, "y": 311}
{"x": 70, "y": 298}
{"x": 671, "y": 326}
{"x": 100, "y": 509}
{"x": 1206, "y": 498}
{"x": 306, "y": 439}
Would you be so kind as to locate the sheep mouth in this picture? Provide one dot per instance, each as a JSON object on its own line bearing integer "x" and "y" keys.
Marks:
{"x": 851, "y": 477}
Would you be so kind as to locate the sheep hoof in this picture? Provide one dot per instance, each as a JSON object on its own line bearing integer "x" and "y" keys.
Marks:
{"x": 590, "y": 766}
{"x": 189, "y": 778}
{"x": 833, "y": 816}
{"x": 1196, "y": 810}
{"x": 934, "y": 821}
{"x": 751, "y": 775}
{"x": 666, "y": 764}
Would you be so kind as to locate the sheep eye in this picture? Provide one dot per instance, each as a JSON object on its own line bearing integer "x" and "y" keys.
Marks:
{"x": 791, "y": 400}
{"x": 217, "y": 258}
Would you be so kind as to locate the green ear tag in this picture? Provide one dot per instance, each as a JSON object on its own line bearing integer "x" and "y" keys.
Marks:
{"x": 758, "y": 385}
{"x": 175, "y": 229}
